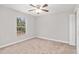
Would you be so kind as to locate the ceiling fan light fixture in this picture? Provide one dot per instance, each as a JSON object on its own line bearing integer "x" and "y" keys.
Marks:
{"x": 39, "y": 8}
{"x": 38, "y": 11}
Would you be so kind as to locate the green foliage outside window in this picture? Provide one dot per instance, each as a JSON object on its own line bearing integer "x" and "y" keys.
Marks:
{"x": 21, "y": 25}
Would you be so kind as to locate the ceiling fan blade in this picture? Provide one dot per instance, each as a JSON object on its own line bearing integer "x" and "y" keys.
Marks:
{"x": 32, "y": 5}
{"x": 45, "y": 5}
{"x": 44, "y": 10}
{"x": 31, "y": 10}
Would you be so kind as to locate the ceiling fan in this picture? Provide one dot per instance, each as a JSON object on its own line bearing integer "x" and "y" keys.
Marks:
{"x": 38, "y": 8}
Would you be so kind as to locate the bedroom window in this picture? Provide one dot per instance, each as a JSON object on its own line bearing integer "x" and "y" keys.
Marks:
{"x": 21, "y": 28}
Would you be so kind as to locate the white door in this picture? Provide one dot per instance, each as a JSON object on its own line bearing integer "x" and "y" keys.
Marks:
{"x": 78, "y": 30}
{"x": 72, "y": 29}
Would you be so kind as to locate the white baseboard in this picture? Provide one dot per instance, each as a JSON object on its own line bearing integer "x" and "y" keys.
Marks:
{"x": 71, "y": 43}
{"x": 12, "y": 43}
{"x": 52, "y": 39}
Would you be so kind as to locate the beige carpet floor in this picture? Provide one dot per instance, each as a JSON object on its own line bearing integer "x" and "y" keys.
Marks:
{"x": 39, "y": 46}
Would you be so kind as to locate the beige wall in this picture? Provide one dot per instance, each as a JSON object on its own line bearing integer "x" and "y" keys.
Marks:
{"x": 8, "y": 26}
{"x": 55, "y": 27}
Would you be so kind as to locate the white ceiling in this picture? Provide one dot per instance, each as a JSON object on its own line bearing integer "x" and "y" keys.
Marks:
{"x": 53, "y": 8}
